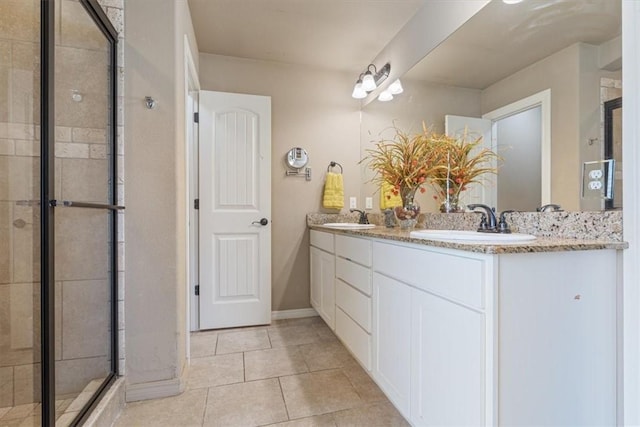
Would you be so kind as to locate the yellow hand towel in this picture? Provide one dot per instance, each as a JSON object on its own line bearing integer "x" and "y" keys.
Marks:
{"x": 333, "y": 191}
{"x": 387, "y": 198}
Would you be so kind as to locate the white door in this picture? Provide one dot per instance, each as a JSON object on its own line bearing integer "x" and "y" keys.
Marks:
{"x": 487, "y": 191}
{"x": 235, "y": 210}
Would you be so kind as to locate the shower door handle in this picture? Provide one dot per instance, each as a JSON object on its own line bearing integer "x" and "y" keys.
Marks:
{"x": 72, "y": 204}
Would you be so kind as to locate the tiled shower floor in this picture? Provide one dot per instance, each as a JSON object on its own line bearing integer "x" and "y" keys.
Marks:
{"x": 292, "y": 373}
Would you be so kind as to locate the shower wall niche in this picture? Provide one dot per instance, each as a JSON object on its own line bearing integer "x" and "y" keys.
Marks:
{"x": 68, "y": 147}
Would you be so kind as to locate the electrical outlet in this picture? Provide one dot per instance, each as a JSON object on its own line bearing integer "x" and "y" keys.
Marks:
{"x": 368, "y": 203}
{"x": 595, "y": 185}
{"x": 595, "y": 174}
{"x": 353, "y": 203}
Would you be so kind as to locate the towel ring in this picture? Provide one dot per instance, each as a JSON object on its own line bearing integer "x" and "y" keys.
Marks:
{"x": 333, "y": 165}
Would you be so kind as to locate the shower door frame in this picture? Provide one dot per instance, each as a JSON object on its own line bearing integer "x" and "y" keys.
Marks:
{"x": 48, "y": 205}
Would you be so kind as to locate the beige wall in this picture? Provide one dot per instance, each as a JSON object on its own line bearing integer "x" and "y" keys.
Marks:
{"x": 155, "y": 192}
{"x": 420, "y": 102}
{"x": 313, "y": 109}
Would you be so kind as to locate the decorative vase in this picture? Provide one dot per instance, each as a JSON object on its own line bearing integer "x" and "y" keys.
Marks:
{"x": 407, "y": 214}
{"x": 451, "y": 204}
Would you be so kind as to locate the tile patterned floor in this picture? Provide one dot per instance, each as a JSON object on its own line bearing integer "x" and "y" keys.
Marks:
{"x": 294, "y": 373}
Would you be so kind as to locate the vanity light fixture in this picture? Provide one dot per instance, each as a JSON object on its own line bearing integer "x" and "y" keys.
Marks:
{"x": 395, "y": 88}
{"x": 385, "y": 96}
{"x": 358, "y": 90}
{"x": 368, "y": 83}
{"x": 370, "y": 80}
{"x": 511, "y": 1}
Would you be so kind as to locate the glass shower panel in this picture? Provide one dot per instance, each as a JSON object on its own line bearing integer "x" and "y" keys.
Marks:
{"x": 83, "y": 151}
{"x": 19, "y": 212}
{"x": 82, "y": 84}
{"x": 83, "y": 278}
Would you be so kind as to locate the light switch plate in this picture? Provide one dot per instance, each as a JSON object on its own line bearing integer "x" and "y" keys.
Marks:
{"x": 353, "y": 202}
{"x": 368, "y": 203}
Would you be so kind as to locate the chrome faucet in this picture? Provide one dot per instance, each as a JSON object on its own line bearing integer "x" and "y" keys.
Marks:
{"x": 551, "y": 206}
{"x": 489, "y": 226}
{"x": 363, "y": 216}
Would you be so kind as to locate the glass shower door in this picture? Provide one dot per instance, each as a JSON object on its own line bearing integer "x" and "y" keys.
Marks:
{"x": 85, "y": 209}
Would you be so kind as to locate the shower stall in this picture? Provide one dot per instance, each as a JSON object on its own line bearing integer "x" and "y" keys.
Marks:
{"x": 58, "y": 210}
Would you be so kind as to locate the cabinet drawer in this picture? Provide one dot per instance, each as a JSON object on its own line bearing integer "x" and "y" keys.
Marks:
{"x": 452, "y": 276}
{"x": 321, "y": 240}
{"x": 356, "y": 275}
{"x": 355, "y": 249}
{"x": 354, "y": 337}
{"x": 355, "y": 304}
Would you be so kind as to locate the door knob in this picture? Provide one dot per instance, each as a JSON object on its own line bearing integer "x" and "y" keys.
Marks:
{"x": 263, "y": 221}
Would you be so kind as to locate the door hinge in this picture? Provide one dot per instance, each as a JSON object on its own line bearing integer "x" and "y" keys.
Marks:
{"x": 196, "y": 117}
{"x": 197, "y": 289}
{"x": 196, "y": 204}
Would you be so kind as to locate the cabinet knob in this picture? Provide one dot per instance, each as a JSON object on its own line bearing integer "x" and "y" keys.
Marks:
{"x": 577, "y": 297}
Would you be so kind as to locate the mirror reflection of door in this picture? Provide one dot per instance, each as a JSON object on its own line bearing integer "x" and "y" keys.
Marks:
{"x": 613, "y": 147}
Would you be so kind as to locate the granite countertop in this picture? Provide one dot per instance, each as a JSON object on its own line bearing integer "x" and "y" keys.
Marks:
{"x": 541, "y": 244}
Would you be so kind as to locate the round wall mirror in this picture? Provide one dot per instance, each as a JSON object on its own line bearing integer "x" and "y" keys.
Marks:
{"x": 297, "y": 158}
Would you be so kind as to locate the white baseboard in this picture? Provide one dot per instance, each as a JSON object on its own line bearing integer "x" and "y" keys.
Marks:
{"x": 154, "y": 390}
{"x": 293, "y": 314}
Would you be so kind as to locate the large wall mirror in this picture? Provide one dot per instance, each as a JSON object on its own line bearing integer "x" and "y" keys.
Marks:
{"x": 539, "y": 72}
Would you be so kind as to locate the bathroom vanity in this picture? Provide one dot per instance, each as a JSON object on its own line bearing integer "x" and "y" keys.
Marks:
{"x": 477, "y": 334}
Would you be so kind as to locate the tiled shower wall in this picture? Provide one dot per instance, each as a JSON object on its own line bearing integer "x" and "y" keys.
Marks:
{"x": 81, "y": 290}
{"x": 19, "y": 187}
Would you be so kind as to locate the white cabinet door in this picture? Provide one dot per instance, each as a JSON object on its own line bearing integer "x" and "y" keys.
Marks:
{"x": 323, "y": 285}
{"x": 391, "y": 339}
{"x": 447, "y": 363}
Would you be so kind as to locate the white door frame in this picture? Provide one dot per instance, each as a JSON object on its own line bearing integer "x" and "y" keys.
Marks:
{"x": 542, "y": 99}
{"x": 191, "y": 86}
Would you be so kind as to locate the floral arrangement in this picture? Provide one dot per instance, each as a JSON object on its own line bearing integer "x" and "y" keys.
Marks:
{"x": 450, "y": 164}
{"x": 466, "y": 160}
{"x": 406, "y": 162}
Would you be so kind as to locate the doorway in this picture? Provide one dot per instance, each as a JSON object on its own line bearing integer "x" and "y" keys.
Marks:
{"x": 534, "y": 113}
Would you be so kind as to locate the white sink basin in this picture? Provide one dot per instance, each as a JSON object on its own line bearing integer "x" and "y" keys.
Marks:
{"x": 348, "y": 225}
{"x": 471, "y": 236}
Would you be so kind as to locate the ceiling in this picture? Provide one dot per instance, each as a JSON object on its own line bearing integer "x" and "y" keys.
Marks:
{"x": 335, "y": 34}
{"x": 502, "y": 39}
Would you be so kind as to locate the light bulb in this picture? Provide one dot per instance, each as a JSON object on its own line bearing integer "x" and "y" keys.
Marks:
{"x": 395, "y": 88}
{"x": 385, "y": 96}
{"x": 511, "y": 1}
{"x": 358, "y": 92}
{"x": 368, "y": 83}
